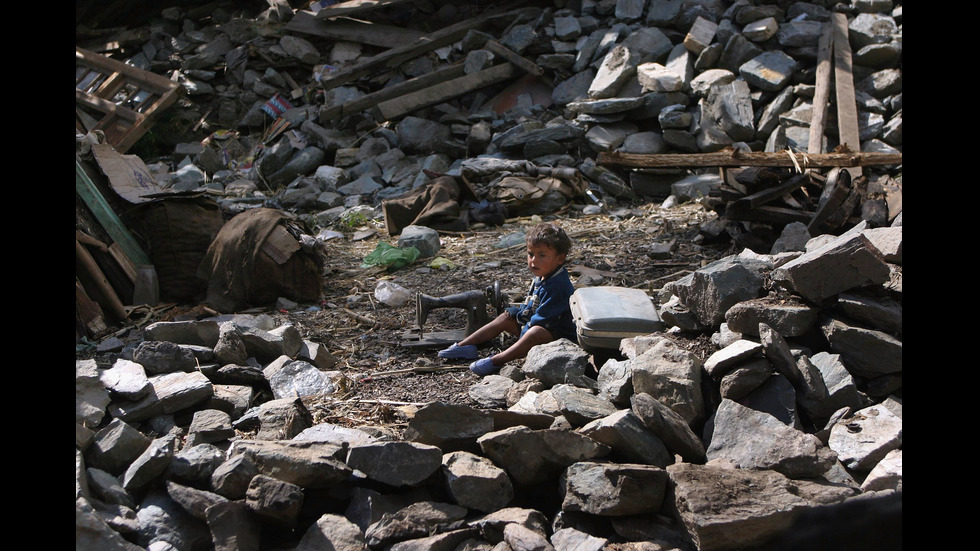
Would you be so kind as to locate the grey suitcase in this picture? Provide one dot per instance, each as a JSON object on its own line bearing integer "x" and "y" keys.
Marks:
{"x": 606, "y": 315}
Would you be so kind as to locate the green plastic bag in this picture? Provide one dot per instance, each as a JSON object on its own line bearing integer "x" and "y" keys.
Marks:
{"x": 390, "y": 257}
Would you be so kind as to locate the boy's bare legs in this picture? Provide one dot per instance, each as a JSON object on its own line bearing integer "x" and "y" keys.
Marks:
{"x": 498, "y": 325}
{"x": 534, "y": 336}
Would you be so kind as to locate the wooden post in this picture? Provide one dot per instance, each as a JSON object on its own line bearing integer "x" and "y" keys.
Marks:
{"x": 822, "y": 92}
{"x": 98, "y": 278}
{"x": 847, "y": 120}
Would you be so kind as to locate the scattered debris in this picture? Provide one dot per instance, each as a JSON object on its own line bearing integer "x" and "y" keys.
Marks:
{"x": 239, "y": 158}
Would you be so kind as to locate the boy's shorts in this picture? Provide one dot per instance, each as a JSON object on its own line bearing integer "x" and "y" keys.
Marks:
{"x": 551, "y": 325}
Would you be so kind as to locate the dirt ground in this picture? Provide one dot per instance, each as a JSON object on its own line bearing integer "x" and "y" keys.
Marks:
{"x": 375, "y": 343}
{"x": 386, "y": 374}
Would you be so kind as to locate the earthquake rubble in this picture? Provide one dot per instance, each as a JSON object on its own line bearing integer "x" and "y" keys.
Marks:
{"x": 277, "y": 128}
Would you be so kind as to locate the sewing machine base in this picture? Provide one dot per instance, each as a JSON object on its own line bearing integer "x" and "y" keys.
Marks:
{"x": 432, "y": 339}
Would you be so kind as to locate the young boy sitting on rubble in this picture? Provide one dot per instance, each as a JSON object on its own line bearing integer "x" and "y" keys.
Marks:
{"x": 544, "y": 316}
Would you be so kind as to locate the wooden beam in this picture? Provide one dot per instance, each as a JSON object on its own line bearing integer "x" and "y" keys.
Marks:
{"x": 732, "y": 158}
{"x": 822, "y": 92}
{"x": 768, "y": 195}
{"x": 847, "y": 121}
{"x": 354, "y": 6}
{"x": 396, "y": 56}
{"x": 352, "y": 30}
{"x": 397, "y": 107}
{"x": 835, "y": 192}
{"x": 769, "y": 214}
{"x": 112, "y": 300}
{"x": 402, "y": 88}
{"x": 513, "y": 57}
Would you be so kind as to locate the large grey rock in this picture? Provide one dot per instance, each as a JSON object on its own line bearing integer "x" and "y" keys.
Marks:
{"x": 306, "y": 464}
{"x": 534, "y": 456}
{"x": 171, "y": 392}
{"x": 233, "y": 526}
{"x": 492, "y": 391}
{"x": 865, "y": 352}
{"x": 742, "y": 379}
{"x": 558, "y": 362}
{"x": 153, "y": 462}
{"x": 615, "y": 381}
{"x": 614, "y": 489}
{"x": 770, "y": 71}
{"x": 195, "y": 465}
{"x": 448, "y": 426}
{"x": 780, "y": 355}
{"x": 194, "y": 500}
{"x": 618, "y": 66}
{"x": 125, "y": 379}
{"x": 91, "y": 397}
{"x": 332, "y": 531}
{"x": 755, "y": 440}
{"x": 839, "y": 265}
{"x": 864, "y": 438}
{"x": 475, "y": 482}
{"x": 629, "y": 437}
{"x": 163, "y": 520}
{"x": 276, "y": 501}
{"x": 299, "y": 378}
{"x": 396, "y": 463}
{"x": 722, "y": 361}
{"x": 672, "y": 375}
{"x": 670, "y": 427}
{"x": 727, "y": 509}
{"x": 158, "y": 357}
{"x": 92, "y": 533}
{"x": 115, "y": 446}
{"x": 202, "y": 332}
{"x": 710, "y": 291}
{"x": 580, "y": 406}
{"x": 425, "y": 239}
{"x": 730, "y": 105}
{"x": 413, "y": 521}
{"x": 789, "y": 317}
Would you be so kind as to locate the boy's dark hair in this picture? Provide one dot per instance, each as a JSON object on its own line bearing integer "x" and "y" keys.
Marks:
{"x": 547, "y": 233}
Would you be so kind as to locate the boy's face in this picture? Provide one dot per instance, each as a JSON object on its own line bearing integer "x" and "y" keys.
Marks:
{"x": 543, "y": 259}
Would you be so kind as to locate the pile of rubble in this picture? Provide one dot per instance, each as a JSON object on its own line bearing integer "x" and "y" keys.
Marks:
{"x": 658, "y": 451}
{"x": 793, "y": 424}
{"x": 295, "y": 116}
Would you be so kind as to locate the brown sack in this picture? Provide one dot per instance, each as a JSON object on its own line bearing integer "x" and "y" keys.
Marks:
{"x": 257, "y": 258}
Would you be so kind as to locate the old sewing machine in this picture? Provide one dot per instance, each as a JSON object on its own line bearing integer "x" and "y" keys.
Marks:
{"x": 475, "y": 304}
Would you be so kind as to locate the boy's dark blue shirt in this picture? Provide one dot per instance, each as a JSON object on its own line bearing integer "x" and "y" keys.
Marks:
{"x": 547, "y": 305}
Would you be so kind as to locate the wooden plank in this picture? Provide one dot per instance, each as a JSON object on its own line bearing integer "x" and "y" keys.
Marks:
{"x": 396, "y": 56}
{"x": 89, "y": 312}
{"x": 769, "y": 214}
{"x": 729, "y": 158}
{"x": 123, "y": 125}
{"x": 123, "y": 260}
{"x": 397, "y": 90}
{"x": 355, "y": 6}
{"x": 768, "y": 195}
{"x": 394, "y": 108}
{"x": 822, "y": 92}
{"x": 847, "y": 121}
{"x": 109, "y": 295}
{"x": 834, "y": 193}
{"x": 351, "y": 30}
{"x": 107, "y": 217}
{"x": 515, "y": 58}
